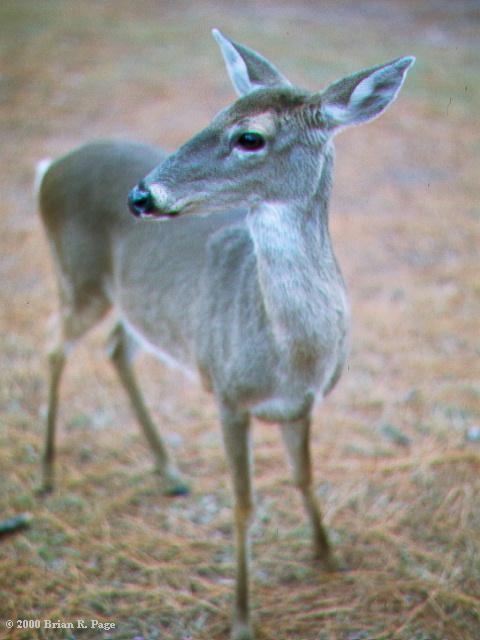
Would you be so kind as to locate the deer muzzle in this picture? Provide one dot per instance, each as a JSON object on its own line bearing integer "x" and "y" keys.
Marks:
{"x": 150, "y": 202}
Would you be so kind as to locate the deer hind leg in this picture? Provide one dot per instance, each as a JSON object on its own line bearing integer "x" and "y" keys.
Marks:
{"x": 236, "y": 436}
{"x": 121, "y": 350}
{"x": 296, "y": 436}
{"x": 56, "y": 360}
{"x": 78, "y": 314}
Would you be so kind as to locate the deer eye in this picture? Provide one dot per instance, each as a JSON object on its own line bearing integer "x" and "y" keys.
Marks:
{"x": 250, "y": 141}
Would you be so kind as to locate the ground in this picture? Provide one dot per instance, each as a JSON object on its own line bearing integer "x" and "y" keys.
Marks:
{"x": 396, "y": 445}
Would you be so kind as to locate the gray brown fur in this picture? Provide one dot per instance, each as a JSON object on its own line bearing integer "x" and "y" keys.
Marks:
{"x": 242, "y": 286}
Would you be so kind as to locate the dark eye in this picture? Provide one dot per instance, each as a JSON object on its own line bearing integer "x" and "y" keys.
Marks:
{"x": 250, "y": 141}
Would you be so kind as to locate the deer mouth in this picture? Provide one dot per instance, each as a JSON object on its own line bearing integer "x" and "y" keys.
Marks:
{"x": 156, "y": 214}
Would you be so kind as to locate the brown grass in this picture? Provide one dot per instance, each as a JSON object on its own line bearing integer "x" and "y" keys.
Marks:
{"x": 397, "y": 473}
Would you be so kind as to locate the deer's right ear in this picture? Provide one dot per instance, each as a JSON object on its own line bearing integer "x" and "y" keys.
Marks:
{"x": 248, "y": 70}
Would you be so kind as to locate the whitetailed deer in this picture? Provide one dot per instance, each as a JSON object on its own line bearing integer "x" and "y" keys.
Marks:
{"x": 241, "y": 284}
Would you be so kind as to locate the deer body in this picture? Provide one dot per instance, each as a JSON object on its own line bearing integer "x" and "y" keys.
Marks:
{"x": 240, "y": 284}
{"x": 286, "y": 301}
{"x": 274, "y": 306}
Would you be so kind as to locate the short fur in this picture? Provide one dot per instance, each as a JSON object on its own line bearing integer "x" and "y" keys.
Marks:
{"x": 242, "y": 286}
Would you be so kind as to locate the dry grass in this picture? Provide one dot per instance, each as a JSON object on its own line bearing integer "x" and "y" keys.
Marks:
{"x": 397, "y": 472}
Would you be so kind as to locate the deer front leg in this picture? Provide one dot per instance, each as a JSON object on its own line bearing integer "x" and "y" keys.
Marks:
{"x": 236, "y": 435}
{"x": 296, "y": 436}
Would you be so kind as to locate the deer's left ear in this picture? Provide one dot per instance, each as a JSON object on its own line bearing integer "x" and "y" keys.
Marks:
{"x": 248, "y": 70}
{"x": 364, "y": 95}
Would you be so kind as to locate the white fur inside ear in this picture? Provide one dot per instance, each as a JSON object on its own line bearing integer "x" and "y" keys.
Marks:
{"x": 371, "y": 96}
{"x": 345, "y": 114}
{"x": 363, "y": 90}
{"x": 236, "y": 67}
{"x": 336, "y": 114}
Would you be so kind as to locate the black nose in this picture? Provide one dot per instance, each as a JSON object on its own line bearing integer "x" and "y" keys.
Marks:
{"x": 140, "y": 200}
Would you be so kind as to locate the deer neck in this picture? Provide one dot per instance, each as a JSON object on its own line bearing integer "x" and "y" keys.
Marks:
{"x": 298, "y": 275}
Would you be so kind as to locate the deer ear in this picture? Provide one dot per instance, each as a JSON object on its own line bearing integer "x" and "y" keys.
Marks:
{"x": 364, "y": 95}
{"x": 248, "y": 70}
